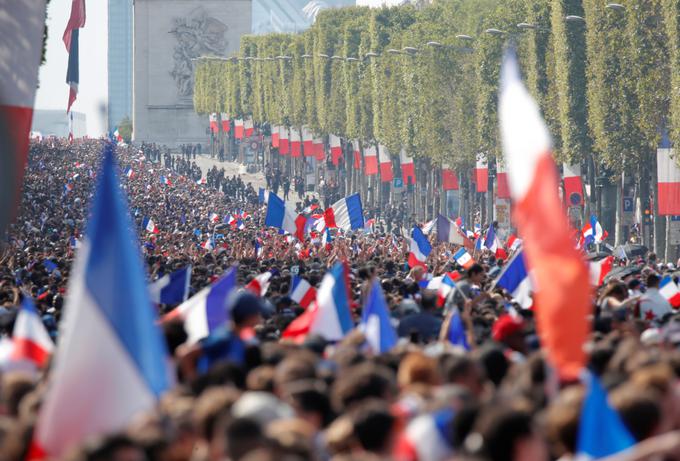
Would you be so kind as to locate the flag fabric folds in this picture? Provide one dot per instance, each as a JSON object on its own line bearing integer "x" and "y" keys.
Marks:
{"x": 21, "y": 34}
{"x": 295, "y": 143}
{"x": 516, "y": 280}
{"x": 332, "y": 318}
{"x": 171, "y": 288}
{"x": 336, "y": 149}
{"x": 356, "y": 159}
{"x": 449, "y": 178}
{"x": 302, "y": 292}
{"x": 307, "y": 141}
{"x": 111, "y": 361}
{"x": 419, "y": 248}
{"x": 601, "y": 431}
{"x": 347, "y": 214}
{"x": 386, "y": 173}
{"x": 238, "y": 128}
{"x": 482, "y": 173}
{"x": 573, "y": 185}
{"x": 259, "y": 285}
{"x": 502, "y": 189}
{"x": 448, "y": 231}
{"x": 248, "y": 127}
{"x": 599, "y": 270}
{"x": 149, "y": 226}
{"x": 30, "y": 338}
{"x": 408, "y": 168}
{"x": 463, "y": 258}
{"x": 319, "y": 152}
{"x": 559, "y": 271}
{"x": 284, "y": 140}
{"x": 226, "y": 126}
{"x": 669, "y": 290}
{"x": 76, "y": 21}
{"x": 284, "y": 217}
{"x": 593, "y": 232}
{"x": 206, "y": 311}
{"x": 668, "y": 180}
{"x": 455, "y": 330}
{"x": 275, "y": 136}
{"x": 214, "y": 127}
{"x": 375, "y": 321}
{"x": 370, "y": 161}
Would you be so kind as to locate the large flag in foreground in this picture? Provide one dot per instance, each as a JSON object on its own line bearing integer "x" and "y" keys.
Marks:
{"x": 21, "y": 31}
{"x": 332, "y": 319}
{"x": 668, "y": 179}
{"x": 75, "y": 22}
{"x": 347, "y": 214}
{"x": 110, "y": 363}
{"x": 563, "y": 294}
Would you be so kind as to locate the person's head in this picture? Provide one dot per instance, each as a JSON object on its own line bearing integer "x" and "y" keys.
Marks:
{"x": 464, "y": 371}
{"x": 361, "y": 382}
{"x": 640, "y": 410}
{"x": 476, "y": 274}
{"x": 505, "y": 434}
{"x": 653, "y": 280}
{"x": 561, "y": 421}
{"x": 246, "y": 309}
{"x": 373, "y": 427}
{"x": 238, "y": 437}
{"x": 509, "y": 330}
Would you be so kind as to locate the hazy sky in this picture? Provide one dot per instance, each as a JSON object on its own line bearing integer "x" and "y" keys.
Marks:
{"x": 53, "y": 90}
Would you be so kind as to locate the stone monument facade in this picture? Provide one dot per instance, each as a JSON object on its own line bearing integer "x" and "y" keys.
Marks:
{"x": 168, "y": 36}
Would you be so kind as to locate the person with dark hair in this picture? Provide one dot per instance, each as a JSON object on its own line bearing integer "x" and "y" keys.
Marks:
{"x": 422, "y": 326}
{"x": 374, "y": 428}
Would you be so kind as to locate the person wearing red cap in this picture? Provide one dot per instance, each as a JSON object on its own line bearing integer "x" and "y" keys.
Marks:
{"x": 508, "y": 330}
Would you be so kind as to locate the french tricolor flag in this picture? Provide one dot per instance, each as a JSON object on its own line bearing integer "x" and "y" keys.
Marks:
{"x": 502, "y": 189}
{"x": 307, "y": 141}
{"x": 669, "y": 290}
{"x": 482, "y": 173}
{"x": 319, "y": 150}
{"x": 275, "y": 136}
{"x": 668, "y": 179}
{"x": 75, "y": 22}
{"x": 376, "y": 323}
{"x": 295, "y": 143}
{"x": 111, "y": 363}
{"x": 21, "y": 36}
{"x": 259, "y": 284}
{"x": 150, "y": 226}
{"x": 282, "y": 216}
{"x": 202, "y": 181}
{"x": 516, "y": 280}
{"x": 463, "y": 258}
{"x": 356, "y": 163}
{"x": 347, "y": 214}
{"x": 599, "y": 270}
{"x": 448, "y": 231}
{"x": 30, "y": 338}
{"x": 214, "y": 127}
{"x": 129, "y": 172}
{"x": 226, "y": 126}
{"x": 449, "y": 178}
{"x": 332, "y": 319}
{"x": 284, "y": 143}
{"x": 238, "y": 128}
{"x": 206, "y": 311}
{"x": 336, "y": 149}
{"x": 370, "y": 161}
{"x": 172, "y": 288}
{"x": 573, "y": 185}
{"x": 248, "y": 127}
{"x": 214, "y": 217}
{"x": 302, "y": 292}
{"x": 166, "y": 181}
{"x": 419, "y": 248}
{"x": 557, "y": 267}
{"x": 386, "y": 173}
{"x": 408, "y": 168}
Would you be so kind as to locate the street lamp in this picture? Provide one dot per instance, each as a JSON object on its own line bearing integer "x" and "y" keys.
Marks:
{"x": 574, "y": 18}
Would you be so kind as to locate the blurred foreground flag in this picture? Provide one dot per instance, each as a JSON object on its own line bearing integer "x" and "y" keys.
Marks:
{"x": 563, "y": 289}
{"x": 332, "y": 319}
{"x": 31, "y": 340}
{"x": 111, "y": 361}
{"x": 375, "y": 321}
{"x": 419, "y": 248}
{"x": 302, "y": 292}
{"x": 600, "y": 430}
{"x": 21, "y": 33}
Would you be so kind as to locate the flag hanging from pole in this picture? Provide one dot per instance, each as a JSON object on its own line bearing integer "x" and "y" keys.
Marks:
{"x": 75, "y": 22}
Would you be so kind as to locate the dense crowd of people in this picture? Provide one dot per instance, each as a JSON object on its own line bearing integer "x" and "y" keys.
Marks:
{"x": 249, "y": 394}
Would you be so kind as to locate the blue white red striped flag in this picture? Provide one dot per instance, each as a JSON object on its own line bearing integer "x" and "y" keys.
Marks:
{"x": 75, "y": 23}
